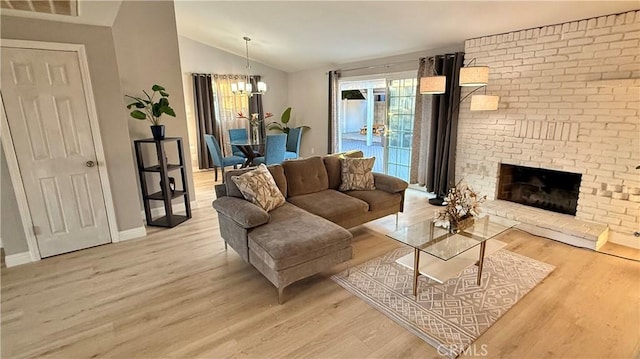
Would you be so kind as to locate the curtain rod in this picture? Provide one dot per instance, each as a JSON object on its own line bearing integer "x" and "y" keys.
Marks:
{"x": 388, "y": 64}
{"x": 377, "y": 66}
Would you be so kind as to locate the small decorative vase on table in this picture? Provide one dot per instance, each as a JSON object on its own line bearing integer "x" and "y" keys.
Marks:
{"x": 461, "y": 224}
{"x": 254, "y": 134}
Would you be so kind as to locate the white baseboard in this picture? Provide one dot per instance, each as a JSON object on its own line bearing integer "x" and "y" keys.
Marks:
{"x": 159, "y": 211}
{"x": 17, "y": 259}
{"x": 132, "y": 233}
{"x": 623, "y": 239}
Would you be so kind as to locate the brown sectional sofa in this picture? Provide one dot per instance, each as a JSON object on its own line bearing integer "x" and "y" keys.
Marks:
{"x": 307, "y": 234}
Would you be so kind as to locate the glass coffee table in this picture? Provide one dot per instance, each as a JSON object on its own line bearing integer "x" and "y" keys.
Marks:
{"x": 425, "y": 237}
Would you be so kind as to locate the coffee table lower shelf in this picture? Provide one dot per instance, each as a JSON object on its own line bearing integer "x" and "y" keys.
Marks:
{"x": 441, "y": 270}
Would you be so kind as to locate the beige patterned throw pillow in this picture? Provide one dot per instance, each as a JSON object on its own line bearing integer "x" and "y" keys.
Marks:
{"x": 259, "y": 188}
{"x": 356, "y": 174}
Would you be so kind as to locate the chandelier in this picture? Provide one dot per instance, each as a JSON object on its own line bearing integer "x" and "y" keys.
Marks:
{"x": 245, "y": 87}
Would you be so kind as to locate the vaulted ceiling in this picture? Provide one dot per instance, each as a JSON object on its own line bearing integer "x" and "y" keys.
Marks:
{"x": 297, "y": 35}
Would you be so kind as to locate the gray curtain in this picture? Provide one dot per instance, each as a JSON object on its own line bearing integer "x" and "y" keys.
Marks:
{"x": 421, "y": 127}
{"x": 334, "y": 97}
{"x": 255, "y": 106}
{"x": 205, "y": 116}
{"x": 443, "y": 131}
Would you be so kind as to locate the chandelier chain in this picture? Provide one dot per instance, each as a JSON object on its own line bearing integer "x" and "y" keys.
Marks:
{"x": 246, "y": 42}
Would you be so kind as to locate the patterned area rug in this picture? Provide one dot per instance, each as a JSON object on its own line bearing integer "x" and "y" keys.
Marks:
{"x": 448, "y": 316}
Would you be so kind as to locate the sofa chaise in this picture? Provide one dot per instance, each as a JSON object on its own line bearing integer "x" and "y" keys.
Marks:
{"x": 308, "y": 234}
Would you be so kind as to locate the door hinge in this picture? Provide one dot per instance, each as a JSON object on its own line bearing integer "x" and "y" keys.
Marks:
{"x": 36, "y": 230}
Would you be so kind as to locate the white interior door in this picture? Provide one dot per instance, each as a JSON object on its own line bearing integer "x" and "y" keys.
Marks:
{"x": 44, "y": 100}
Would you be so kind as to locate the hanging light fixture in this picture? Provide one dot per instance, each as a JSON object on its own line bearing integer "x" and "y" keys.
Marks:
{"x": 245, "y": 87}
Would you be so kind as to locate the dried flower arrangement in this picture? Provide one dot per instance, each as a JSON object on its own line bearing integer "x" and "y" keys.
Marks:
{"x": 254, "y": 124}
{"x": 254, "y": 120}
{"x": 462, "y": 203}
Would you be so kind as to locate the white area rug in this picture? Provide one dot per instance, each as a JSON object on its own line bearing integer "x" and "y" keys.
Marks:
{"x": 451, "y": 315}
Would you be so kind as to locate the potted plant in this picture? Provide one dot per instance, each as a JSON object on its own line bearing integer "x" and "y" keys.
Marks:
{"x": 151, "y": 109}
{"x": 283, "y": 125}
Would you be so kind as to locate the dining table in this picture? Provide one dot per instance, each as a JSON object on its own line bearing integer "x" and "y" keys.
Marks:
{"x": 250, "y": 149}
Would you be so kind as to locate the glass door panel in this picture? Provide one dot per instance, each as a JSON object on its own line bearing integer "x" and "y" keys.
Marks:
{"x": 375, "y": 116}
{"x": 402, "y": 96}
{"x": 362, "y": 118}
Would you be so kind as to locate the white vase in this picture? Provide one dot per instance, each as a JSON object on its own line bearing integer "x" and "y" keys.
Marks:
{"x": 255, "y": 134}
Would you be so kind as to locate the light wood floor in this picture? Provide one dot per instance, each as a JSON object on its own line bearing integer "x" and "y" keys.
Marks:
{"x": 178, "y": 294}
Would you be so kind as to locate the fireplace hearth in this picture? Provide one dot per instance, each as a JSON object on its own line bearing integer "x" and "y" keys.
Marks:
{"x": 538, "y": 187}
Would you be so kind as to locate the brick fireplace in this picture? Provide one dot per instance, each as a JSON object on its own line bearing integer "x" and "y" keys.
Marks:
{"x": 569, "y": 101}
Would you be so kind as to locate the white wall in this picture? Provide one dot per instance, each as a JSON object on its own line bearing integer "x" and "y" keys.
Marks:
{"x": 196, "y": 57}
{"x": 309, "y": 93}
{"x": 570, "y": 98}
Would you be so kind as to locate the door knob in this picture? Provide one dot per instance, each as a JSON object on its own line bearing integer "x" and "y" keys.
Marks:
{"x": 90, "y": 163}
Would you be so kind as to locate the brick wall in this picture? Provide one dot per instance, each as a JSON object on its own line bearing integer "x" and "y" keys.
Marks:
{"x": 569, "y": 101}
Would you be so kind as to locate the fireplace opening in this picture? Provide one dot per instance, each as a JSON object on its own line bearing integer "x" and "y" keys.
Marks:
{"x": 537, "y": 187}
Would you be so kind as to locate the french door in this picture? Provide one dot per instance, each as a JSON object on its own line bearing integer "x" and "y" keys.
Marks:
{"x": 375, "y": 116}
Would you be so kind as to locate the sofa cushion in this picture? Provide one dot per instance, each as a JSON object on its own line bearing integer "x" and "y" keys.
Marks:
{"x": 259, "y": 188}
{"x": 276, "y": 171}
{"x": 244, "y": 213}
{"x": 305, "y": 176}
{"x": 334, "y": 166}
{"x": 330, "y": 204}
{"x": 294, "y": 236}
{"x": 356, "y": 174}
{"x": 377, "y": 199}
{"x": 350, "y": 153}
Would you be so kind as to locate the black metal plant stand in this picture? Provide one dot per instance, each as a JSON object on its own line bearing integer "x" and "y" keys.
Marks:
{"x": 166, "y": 193}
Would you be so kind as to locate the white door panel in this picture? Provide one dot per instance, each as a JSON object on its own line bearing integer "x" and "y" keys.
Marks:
{"x": 48, "y": 118}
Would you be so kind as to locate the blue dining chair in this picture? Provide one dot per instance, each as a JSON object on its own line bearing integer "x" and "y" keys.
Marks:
{"x": 275, "y": 148}
{"x": 219, "y": 161}
{"x": 293, "y": 143}
{"x": 238, "y": 134}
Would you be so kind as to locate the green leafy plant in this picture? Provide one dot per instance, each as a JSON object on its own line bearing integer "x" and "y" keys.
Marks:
{"x": 283, "y": 125}
{"x": 149, "y": 109}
